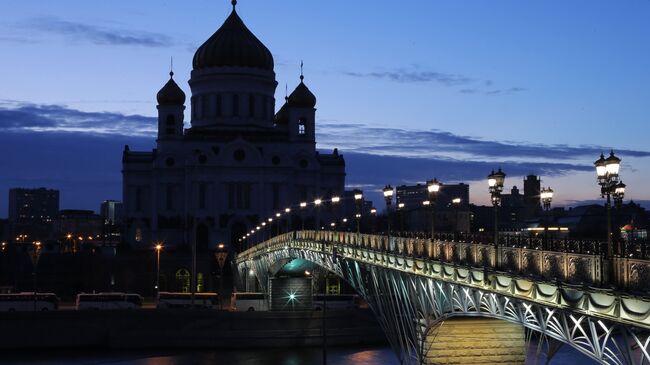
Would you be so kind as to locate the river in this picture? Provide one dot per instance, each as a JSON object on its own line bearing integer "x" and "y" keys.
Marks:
{"x": 296, "y": 356}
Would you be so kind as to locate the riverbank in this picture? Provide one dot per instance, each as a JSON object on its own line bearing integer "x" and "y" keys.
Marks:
{"x": 185, "y": 329}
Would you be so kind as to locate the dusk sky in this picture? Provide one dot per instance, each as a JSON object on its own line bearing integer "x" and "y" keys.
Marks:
{"x": 406, "y": 90}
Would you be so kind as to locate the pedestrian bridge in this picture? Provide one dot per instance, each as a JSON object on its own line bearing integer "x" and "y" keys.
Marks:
{"x": 413, "y": 285}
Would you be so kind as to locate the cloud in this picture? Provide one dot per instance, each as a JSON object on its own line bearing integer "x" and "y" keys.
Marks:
{"x": 100, "y": 35}
{"x": 508, "y": 91}
{"x": 433, "y": 144}
{"x": 25, "y": 117}
{"x": 416, "y": 75}
{"x": 406, "y": 76}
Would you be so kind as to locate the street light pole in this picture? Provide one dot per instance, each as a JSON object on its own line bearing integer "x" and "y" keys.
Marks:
{"x": 607, "y": 173}
{"x": 433, "y": 186}
{"x": 317, "y": 204}
{"x": 303, "y": 205}
{"x": 401, "y": 207}
{"x": 358, "y": 195}
{"x": 36, "y": 254}
{"x": 388, "y": 197}
{"x": 335, "y": 202}
{"x": 495, "y": 186}
{"x": 158, "y": 248}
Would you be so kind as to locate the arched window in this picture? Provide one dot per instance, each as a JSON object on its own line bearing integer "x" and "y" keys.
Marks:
{"x": 302, "y": 126}
{"x": 183, "y": 280}
{"x": 138, "y": 235}
{"x": 235, "y": 105}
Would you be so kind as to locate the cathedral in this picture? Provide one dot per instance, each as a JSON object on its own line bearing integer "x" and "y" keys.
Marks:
{"x": 239, "y": 163}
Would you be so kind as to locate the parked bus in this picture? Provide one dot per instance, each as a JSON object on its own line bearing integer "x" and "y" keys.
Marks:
{"x": 167, "y": 300}
{"x": 109, "y": 301}
{"x": 342, "y": 301}
{"x": 248, "y": 302}
{"x": 22, "y": 302}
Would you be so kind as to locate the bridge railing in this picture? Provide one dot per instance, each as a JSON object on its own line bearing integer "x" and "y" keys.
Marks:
{"x": 582, "y": 266}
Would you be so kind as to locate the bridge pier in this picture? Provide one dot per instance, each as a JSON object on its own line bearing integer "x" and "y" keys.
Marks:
{"x": 476, "y": 341}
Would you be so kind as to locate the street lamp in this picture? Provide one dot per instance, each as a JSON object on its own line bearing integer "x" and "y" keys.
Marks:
{"x": 456, "y": 203}
{"x": 401, "y": 207}
{"x": 388, "y": 197}
{"x": 287, "y": 211}
{"x": 495, "y": 187}
{"x": 358, "y": 195}
{"x": 335, "y": 201}
{"x": 303, "y": 205}
{"x": 317, "y": 204}
{"x": 221, "y": 254}
{"x": 373, "y": 214}
{"x": 607, "y": 173}
{"x": 433, "y": 187}
{"x": 36, "y": 254}
{"x": 158, "y": 248}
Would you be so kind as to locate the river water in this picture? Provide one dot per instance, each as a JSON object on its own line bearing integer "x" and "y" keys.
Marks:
{"x": 299, "y": 356}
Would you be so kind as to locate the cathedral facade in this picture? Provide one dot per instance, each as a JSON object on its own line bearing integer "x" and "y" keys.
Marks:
{"x": 239, "y": 163}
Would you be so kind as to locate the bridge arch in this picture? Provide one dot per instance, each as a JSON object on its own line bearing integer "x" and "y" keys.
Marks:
{"x": 411, "y": 295}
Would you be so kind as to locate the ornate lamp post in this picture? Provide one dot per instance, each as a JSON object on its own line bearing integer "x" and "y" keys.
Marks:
{"x": 388, "y": 196}
{"x": 456, "y": 203}
{"x": 433, "y": 187}
{"x": 495, "y": 187}
{"x": 287, "y": 211}
{"x": 607, "y": 172}
{"x": 373, "y": 214}
{"x": 277, "y": 223}
{"x": 401, "y": 207}
{"x": 317, "y": 204}
{"x": 334, "y": 204}
{"x": 358, "y": 195}
{"x": 303, "y": 205}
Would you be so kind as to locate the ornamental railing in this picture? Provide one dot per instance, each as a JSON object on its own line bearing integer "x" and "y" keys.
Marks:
{"x": 561, "y": 260}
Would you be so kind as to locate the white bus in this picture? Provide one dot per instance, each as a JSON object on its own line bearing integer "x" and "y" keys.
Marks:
{"x": 109, "y": 301}
{"x": 248, "y": 302}
{"x": 23, "y": 302}
{"x": 167, "y": 300}
{"x": 342, "y": 301}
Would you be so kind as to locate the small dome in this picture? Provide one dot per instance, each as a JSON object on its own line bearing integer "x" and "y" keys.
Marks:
{"x": 171, "y": 94}
{"x": 233, "y": 45}
{"x": 301, "y": 97}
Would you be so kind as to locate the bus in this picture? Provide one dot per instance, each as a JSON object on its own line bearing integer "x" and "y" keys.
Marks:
{"x": 342, "y": 301}
{"x": 101, "y": 301}
{"x": 167, "y": 300}
{"x": 248, "y": 302}
{"x": 23, "y": 302}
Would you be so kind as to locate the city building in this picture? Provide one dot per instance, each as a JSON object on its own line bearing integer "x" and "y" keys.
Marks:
{"x": 36, "y": 205}
{"x": 31, "y": 213}
{"x": 111, "y": 212}
{"x": 75, "y": 228}
{"x": 239, "y": 161}
{"x": 451, "y": 208}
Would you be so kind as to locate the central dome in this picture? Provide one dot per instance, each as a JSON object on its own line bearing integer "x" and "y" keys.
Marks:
{"x": 234, "y": 45}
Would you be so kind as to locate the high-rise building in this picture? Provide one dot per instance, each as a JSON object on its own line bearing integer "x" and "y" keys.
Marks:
{"x": 111, "y": 212}
{"x": 35, "y": 205}
{"x": 532, "y": 199}
{"x": 240, "y": 161}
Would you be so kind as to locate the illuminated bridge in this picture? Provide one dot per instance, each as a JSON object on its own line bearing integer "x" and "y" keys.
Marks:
{"x": 415, "y": 285}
